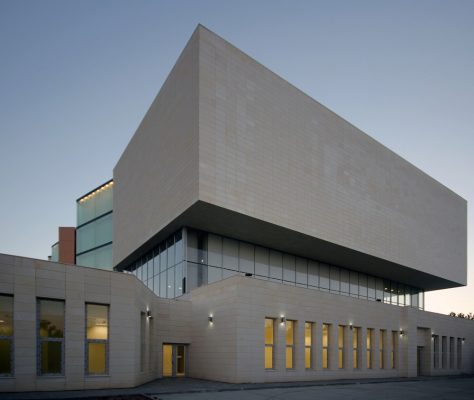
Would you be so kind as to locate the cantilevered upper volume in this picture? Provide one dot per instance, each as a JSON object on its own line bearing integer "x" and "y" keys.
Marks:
{"x": 229, "y": 147}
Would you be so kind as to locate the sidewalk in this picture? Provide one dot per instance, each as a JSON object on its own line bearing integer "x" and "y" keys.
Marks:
{"x": 169, "y": 386}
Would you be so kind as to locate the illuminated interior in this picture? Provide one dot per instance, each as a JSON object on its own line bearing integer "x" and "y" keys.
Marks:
{"x": 308, "y": 340}
{"x": 355, "y": 347}
{"x": 340, "y": 345}
{"x": 269, "y": 332}
{"x": 325, "y": 345}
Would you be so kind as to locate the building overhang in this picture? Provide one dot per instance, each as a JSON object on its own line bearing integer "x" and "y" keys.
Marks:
{"x": 211, "y": 218}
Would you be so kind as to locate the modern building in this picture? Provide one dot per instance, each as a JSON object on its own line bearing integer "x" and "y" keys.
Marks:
{"x": 257, "y": 237}
{"x": 94, "y": 227}
{"x": 90, "y": 243}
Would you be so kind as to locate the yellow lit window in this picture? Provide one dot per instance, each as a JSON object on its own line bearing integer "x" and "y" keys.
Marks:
{"x": 290, "y": 343}
{"x": 355, "y": 347}
{"x": 97, "y": 338}
{"x": 325, "y": 346}
{"x": 308, "y": 343}
{"x": 340, "y": 345}
{"x": 269, "y": 342}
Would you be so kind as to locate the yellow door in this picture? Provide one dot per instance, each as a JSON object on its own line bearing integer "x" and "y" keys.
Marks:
{"x": 167, "y": 360}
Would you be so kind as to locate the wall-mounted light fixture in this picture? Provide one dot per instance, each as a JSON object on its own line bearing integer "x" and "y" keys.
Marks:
{"x": 402, "y": 332}
{"x": 210, "y": 319}
{"x": 432, "y": 335}
{"x": 148, "y": 314}
{"x": 282, "y": 320}
{"x": 350, "y": 326}
{"x": 463, "y": 339}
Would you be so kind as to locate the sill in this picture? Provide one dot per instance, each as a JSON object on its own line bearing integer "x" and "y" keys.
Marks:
{"x": 5, "y": 376}
{"x": 51, "y": 376}
{"x": 93, "y": 376}
{"x": 270, "y": 369}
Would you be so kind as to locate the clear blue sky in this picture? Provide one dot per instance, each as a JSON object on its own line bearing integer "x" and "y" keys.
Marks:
{"x": 76, "y": 78}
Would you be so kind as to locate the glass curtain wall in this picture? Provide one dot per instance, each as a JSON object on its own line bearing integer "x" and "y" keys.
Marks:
{"x": 173, "y": 268}
{"x": 94, "y": 228}
{"x": 212, "y": 257}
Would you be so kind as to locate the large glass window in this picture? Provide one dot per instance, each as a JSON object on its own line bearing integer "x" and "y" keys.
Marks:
{"x": 211, "y": 258}
{"x": 344, "y": 282}
{"x": 308, "y": 345}
{"x": 324, "y": 277}
{"x": 369, "y": 347}
{"x": 335, "y": 280}
{"x": 95, "y": 204}
{"x": 301, "y": 272}
{"x": 269, "y": 342}
{"x": 325, "y": 355}
{"x": 246, "y": 258}
{"x": 94, "y": 234}
{"x": 276, "y": 263}
{"x": 51, "y": 337}
{"x": 340, "y": 346}
{"x": 97, "y": 339}
{"x": 355, "y": 347}
{"x": 289, "y": 271}
{"x": 354, "y": 284}
{"x": 313, "y": 274}
{"x": 290, "y": 344}
{"x": 262, "y": 258}
{"x": 6, "y": 335}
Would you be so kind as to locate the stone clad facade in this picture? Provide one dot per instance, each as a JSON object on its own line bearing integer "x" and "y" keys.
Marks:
{"x": 257, "y": 237}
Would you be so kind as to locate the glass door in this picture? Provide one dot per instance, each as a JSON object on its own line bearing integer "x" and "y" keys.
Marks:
{"x": 180, "y": 359}
{"x": 174, "y": 360}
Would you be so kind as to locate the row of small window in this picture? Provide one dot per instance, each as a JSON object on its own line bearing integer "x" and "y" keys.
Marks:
{"x": 234, "y": 255}
{"x": 309, "y": 345}
{"x": 166, "y": 255}
{"x": 50, "y": 337}
{"x": 444, "y": 352}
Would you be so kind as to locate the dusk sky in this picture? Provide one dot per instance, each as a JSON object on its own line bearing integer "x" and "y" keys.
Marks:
{"x": 76, "y": 78}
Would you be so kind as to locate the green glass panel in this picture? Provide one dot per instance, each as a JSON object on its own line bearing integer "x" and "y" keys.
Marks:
{"x": 94, "y": 234}
{"x": 98, "y": 258}
{"x": 94, "y": 205}
{"x": 51, "y": 357}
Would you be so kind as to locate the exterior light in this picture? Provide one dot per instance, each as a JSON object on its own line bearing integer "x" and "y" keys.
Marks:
{"x": 463, "y": 339}
{"x": 402, "y": 333}
{"x": 210, "y": 319}
{"x": 350, "y": 326}
{"x": 282, "y": 319}
{"x": 432, "y": 335}
{"x": 148, "y": 314}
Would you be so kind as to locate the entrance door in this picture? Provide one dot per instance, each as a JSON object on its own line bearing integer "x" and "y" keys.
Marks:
{"x": 174, "y": 360}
